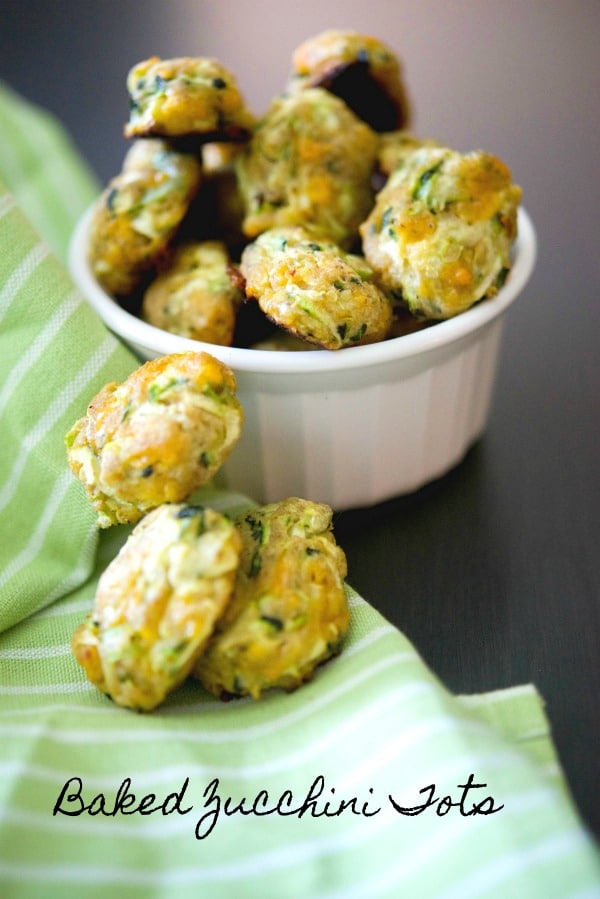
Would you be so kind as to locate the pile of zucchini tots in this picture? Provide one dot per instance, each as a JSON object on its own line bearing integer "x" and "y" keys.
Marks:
{"x": 325, "y": 223}
{"x": 239, "y": 605}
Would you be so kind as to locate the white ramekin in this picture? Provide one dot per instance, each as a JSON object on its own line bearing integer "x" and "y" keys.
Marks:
{"x": 357, "y": 426}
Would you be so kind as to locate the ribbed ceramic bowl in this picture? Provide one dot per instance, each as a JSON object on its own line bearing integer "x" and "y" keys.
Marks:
{"x": 354, "y": 427}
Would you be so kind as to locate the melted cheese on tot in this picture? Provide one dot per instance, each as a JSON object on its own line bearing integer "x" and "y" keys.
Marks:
{"x": 157, "y": 603}
{"x": 157, "y": 437}
{"x": 289, "y": 611}
{"x": 440, "y": 233}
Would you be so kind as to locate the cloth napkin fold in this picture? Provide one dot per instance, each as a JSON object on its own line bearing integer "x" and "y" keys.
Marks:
{"x": 372, "y": 780}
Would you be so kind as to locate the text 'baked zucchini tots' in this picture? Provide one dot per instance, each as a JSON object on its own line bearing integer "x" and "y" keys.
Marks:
{"x": 185, "y": 96}
{"x": 196, "y": 295}
{"x": 314, "y": 290}
{"x": 157, "y": 603}
{"x": 309, "y": 163}
{"x": 440, "y": 233}
{"x": 289, "y": 611}
{"x": 156, "y": 437}
{"x": 139, "y": 212}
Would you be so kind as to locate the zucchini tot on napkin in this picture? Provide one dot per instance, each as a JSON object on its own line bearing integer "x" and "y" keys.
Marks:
{"x": 263, "y": 595}
{"x": 157, "y": 437}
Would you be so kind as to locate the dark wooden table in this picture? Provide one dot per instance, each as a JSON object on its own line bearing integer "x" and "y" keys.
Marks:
{"x": 492, "y": 571}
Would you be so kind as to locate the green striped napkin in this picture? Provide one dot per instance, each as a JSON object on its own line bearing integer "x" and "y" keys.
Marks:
{"x": 372, "y": 780}
{"x": 51, "y": 182}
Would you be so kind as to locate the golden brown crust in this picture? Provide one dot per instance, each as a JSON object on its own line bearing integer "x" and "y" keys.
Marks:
{"x": 360, "y": 69}
{"x": 186, "y": 96}
{"x": 309, "y": 163}
{"x": 156, "y": 437}
{"x": 139, "y": 212}
{"x": 196, "y": 295}
{"x": 314, "y": 290}
{"x": 157, "y": 603}
{"x": 440, "y": 233}
{"x": 289, "y": 611}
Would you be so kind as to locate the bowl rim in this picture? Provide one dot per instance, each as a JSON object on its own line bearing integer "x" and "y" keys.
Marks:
{"x": 133, "y": 330}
